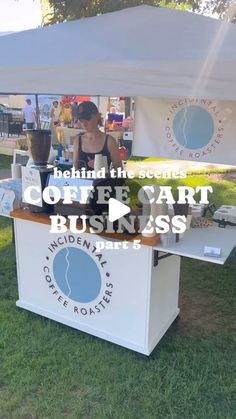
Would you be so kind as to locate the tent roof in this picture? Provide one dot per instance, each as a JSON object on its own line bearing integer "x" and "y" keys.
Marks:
{"x": 140, "y": 51}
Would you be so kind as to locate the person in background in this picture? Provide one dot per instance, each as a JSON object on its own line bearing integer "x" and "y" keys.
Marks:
{"x": 29, "y": 114}
{"x": 75, "y": 113}
{"x": 113, "y": 110}
{"x": 55, "y": 113}
{"x": 93, "y": 141}
{"x": 66, "y": 114}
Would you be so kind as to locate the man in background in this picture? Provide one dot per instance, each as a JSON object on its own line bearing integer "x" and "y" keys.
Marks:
{"x": 75, "y": 112}
{"x": 29, "y": 114}
{"x": 55, "y": 113}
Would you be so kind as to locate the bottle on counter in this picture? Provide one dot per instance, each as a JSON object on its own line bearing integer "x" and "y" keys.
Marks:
{"x": 67, "y": 152}
{"x": 122, "y": 149}
{"x": 59, "y": 151}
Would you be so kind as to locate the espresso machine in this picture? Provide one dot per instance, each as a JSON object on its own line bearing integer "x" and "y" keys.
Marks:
{"x": 39, "y": 144}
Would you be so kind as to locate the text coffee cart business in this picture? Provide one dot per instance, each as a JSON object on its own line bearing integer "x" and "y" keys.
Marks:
{"x": 127, "y": 296}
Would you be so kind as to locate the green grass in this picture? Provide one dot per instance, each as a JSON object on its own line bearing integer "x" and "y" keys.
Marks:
{"x": 224, "y": 192}
{"x": 147, "y": 159}
{"x": 5, "y": 161}
{"x": 52, "y": 371}
{"x": 208, "y": 171}
{"x": 203, "y": 170}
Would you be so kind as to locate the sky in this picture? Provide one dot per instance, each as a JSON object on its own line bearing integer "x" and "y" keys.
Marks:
{"x": 19, "y": 15}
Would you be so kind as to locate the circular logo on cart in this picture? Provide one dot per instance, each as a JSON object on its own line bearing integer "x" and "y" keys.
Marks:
{"x": 77, "y": 275}
{"x": 193, "y": 127}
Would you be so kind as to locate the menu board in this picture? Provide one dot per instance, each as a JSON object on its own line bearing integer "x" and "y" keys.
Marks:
{"x": 31, "y": 177}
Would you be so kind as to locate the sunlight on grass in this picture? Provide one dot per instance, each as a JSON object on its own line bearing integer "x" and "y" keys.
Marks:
{"x": 5, "y": 161}
{"x": 138, "y": 161}
{"x": 224, "y": 192}
{"x": 6, "y": 237}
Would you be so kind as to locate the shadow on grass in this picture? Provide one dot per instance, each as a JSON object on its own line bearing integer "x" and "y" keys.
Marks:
{"x": 5, "y": 161}
{"x": 8, "y": 275}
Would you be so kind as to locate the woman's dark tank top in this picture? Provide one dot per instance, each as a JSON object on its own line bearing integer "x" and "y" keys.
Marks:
{"x": 87, "y": 159}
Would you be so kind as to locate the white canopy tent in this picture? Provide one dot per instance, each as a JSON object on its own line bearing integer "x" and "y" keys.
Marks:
{"x": 140, "y": 51}
{"x": 154, "y": 54}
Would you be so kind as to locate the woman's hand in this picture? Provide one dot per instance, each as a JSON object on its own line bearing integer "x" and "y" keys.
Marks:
{"x": 76, "y": 152}
{"x": 114, "y": 152}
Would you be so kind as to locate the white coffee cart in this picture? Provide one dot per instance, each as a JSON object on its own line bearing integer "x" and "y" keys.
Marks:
{"x": 135, "y": 292}
{"x": 127, "y": 296}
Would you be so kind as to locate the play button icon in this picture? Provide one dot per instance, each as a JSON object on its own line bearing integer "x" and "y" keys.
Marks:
{"x": 116, "y": 209}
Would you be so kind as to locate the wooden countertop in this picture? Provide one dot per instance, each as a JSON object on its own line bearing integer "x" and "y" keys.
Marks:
{"x": 44, "y": 219}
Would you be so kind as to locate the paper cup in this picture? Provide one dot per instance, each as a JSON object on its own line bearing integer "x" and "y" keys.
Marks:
{"x": 105, "y": 163}
{"x": 98, "y": 162}
{"x": 153, "y": 210}
{"x": 16, "y": 171}
{"x": 188, "y": 222}
{"x": 167, "y": 238}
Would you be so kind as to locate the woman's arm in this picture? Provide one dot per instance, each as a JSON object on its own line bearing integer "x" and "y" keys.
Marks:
{"x": 76, "y": 152}
{"x": 114, "y": 152}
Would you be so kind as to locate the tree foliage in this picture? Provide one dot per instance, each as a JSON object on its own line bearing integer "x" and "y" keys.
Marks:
{"x": 219, "y": 7}
{"x": 63, "y": 10}
{"x": 76, "y": 9}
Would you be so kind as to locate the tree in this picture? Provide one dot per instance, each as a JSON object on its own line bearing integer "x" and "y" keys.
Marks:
{"x": 75, "y": 9}
{"x": 63, "y": 10}
{"x": 223, "y": 8}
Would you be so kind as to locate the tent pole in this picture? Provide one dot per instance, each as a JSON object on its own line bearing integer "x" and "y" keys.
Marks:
{"x": 37, "y": 111}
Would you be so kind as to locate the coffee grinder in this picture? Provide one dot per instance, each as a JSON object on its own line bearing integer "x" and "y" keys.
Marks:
{"x": 39, "y": 143}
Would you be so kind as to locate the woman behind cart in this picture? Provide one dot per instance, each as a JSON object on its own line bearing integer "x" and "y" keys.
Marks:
{"x": 93, "y": 141}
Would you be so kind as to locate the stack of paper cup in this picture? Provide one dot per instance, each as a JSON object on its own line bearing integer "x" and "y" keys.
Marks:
{"x": 52, "y": 156}
{"x": 152, "y": 209}
{"x": 16, "y": 171}
{"x": 105, "y": 163}
{"x": 167, "y": 238}
{"x": 149, "y": 210}
{"x": 188, "y": 222}
{"x": 98, "y": 162}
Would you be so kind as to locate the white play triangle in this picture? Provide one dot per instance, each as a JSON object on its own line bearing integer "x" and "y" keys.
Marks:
{"x": 116, "y": 209}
